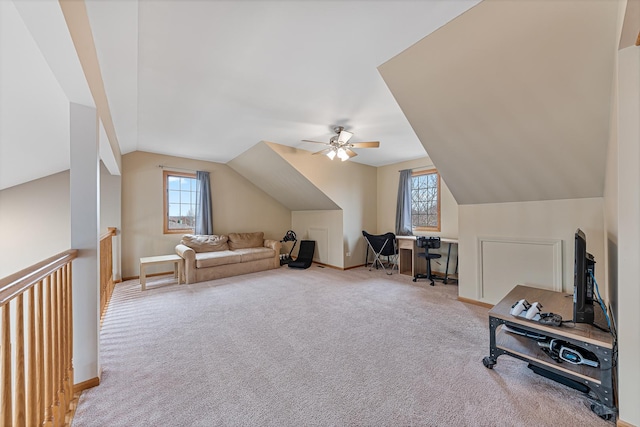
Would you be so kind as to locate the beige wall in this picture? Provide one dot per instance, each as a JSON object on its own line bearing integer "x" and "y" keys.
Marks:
{"x": 351, "y": 186}
{"x": 111, "y": 213}
{"x": 388, "y": 177}
{"x": 35, "y": 222}
{"x": 309, "y": 224}
{"x": 554, "y": 219}
{"x": 611, "y": 203}
{"x": 238, "y": 206}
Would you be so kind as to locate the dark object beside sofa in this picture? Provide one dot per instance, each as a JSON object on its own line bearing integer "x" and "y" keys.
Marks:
{"x": 305, "y": 254}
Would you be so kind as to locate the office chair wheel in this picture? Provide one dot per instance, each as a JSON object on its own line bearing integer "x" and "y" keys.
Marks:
{"x": 489, "y": 362}
{"x": 414, "y": 279}
{"x": 432, "y": 283}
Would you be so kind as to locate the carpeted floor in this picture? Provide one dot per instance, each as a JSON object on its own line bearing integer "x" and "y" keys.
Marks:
{"x": 316, "y": 347}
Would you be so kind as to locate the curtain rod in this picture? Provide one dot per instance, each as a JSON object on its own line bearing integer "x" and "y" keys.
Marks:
{"x": 418, "y": 167}
{"x": 175, "y": 167}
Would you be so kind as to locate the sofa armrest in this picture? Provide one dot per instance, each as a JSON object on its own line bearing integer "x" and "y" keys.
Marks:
{"x": 189, "y": 256}
{"x": 273, "y": 244}
{"x": 276, "y": 246}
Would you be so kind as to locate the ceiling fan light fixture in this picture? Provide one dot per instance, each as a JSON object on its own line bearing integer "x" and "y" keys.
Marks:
{"x": 344, "y": 136}
{"x": 339, "y": 145}
{"x": 342, "y": 154}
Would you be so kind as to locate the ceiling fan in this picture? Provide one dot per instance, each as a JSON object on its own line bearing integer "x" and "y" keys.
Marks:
{"x": 340, "y": 146}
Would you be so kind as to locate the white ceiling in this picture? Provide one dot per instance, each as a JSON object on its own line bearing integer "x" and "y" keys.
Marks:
{"x": 39, "y": 75}
{"x": 210, "y": 79}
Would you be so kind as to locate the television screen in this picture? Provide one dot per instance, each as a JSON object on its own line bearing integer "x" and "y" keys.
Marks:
{"x": 582, "y": 281}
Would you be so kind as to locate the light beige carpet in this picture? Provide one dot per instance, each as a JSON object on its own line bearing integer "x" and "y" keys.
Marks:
{"x": 316, "y": 347}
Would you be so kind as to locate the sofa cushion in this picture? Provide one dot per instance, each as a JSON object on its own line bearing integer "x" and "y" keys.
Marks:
{"x": 246, "y": 240}
{"x": 253, "y": 254}
{"x": 212, "y": 259}
{"x": 205, "y": 243}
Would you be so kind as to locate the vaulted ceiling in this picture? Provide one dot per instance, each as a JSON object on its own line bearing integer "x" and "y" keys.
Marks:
{"x": 510, "y": 98}
{"x": 210, "y": 79}
{"x": 275, "y": 176}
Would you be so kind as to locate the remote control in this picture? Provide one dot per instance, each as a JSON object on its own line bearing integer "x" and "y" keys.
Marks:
{"x": 550, "y": 319}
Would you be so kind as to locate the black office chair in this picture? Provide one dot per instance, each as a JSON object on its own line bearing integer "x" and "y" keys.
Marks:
{"x": 305, "y": 254}
{"x": 381, "y": 245}
{"x": 427, "y": 243}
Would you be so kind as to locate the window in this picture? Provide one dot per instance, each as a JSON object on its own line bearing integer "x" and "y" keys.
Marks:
{"x": 179, "y": 202}
{"x": 425, "y": 200}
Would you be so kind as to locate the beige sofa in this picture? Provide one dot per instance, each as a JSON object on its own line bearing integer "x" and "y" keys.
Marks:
{"x": 208, "y": 257}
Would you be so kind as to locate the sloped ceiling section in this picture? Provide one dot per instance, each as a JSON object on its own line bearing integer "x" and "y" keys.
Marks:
{"x": 34, "y": 100}
{"x": 631, "y": 25}
{"x": 511, "y": 99}
{"x": 281, "y": 180}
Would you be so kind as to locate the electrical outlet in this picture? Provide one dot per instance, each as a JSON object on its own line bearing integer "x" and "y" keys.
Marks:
{"x": 348, "y": 253}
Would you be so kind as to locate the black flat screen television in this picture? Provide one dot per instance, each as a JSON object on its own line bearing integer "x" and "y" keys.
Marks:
{"x": 584, "y": 266}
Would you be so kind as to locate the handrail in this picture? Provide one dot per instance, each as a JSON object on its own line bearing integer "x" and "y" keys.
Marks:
{"x": 106, "y": 269}
{"x": 17, "y": 283}
{"x": 36, "y": 343}
{"x": 111, "y": 231}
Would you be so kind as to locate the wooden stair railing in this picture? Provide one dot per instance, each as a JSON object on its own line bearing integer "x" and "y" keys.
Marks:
{"x": 36, "y": 344}
{"x": 106, "y": 269}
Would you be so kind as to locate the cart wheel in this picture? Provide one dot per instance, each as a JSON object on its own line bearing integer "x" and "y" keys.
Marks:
{"x": 489, "y": 362}
{"x": 602, "y": 411}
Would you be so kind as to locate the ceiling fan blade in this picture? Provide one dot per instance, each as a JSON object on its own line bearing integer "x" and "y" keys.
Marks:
{"x": 344, "y": 136}
{"x": 350, "y": 152}
{"x": 325, "y": 151}
{"x": 369, "y": 144}
{"x": 315, "y": 142}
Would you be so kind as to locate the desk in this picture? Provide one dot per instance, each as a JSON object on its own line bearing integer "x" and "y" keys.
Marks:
{"x": 408, "y": 256}
{"x": 150, "y": 260}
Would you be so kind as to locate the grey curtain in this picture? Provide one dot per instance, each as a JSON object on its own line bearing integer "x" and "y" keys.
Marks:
{"x": 204, "y": 220}
{"x": 403, "y": 208}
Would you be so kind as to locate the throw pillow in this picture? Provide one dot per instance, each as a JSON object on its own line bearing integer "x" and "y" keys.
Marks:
{"x": 246, "y": 240}
{"x": 205, "y": 243}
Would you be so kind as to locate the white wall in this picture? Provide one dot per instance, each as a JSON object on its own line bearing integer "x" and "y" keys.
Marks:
{"x": 84, "y": 184}
{"x": 331, "y": 221}
{"x": 628, "y": 289}
{"x": 554, "y": 219}
{"x": 35, "y": 222}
